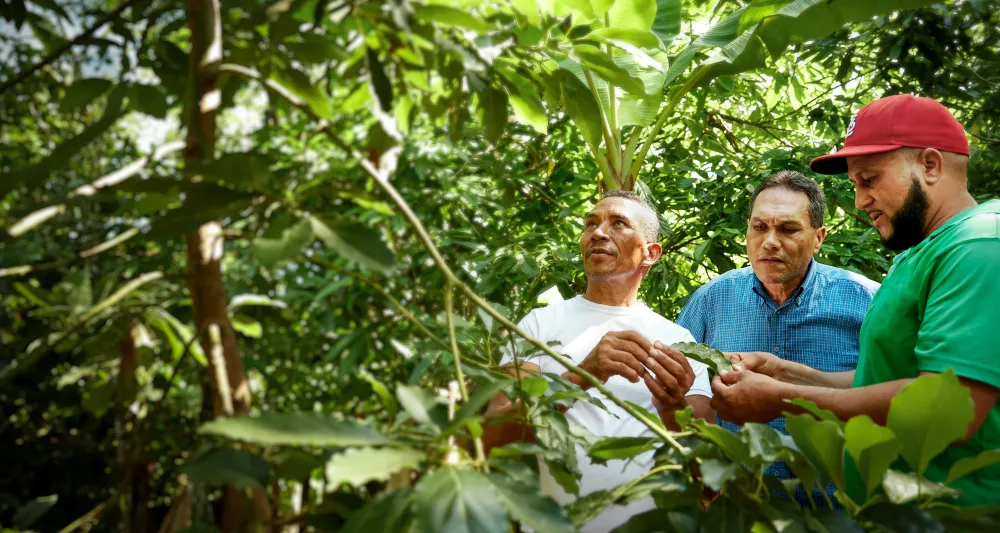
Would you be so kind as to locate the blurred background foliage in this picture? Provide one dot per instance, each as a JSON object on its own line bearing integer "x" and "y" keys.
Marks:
{"x": 313, "y": 325}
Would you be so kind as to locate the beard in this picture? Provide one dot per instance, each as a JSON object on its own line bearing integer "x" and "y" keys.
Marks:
{"x": 908, "y": 222}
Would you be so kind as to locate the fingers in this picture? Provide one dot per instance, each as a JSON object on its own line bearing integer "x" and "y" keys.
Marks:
{"x": 744, "y": 360}
{"x": 624, "y": 371}
{"x": 635, "y": 337}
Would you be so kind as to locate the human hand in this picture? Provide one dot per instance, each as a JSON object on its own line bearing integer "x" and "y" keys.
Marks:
{"x": 670, "y": 377}
{"x": 760, "y": 362}
{"x": 619, "y": 353}
{"x": 746, "y": 396}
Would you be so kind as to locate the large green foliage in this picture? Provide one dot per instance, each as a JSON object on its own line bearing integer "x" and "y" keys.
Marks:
{"x": 495, "y": 124}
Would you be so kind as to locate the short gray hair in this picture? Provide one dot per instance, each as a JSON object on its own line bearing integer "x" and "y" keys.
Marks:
{"x": 649, "y": 221}
{"x": 798, "y": 182}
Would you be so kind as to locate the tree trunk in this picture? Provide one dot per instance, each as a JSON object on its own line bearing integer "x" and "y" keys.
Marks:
{"x": 228, "y": 383}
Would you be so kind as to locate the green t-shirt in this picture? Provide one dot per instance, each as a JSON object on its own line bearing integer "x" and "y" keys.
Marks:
{"x": 939, "y": 308}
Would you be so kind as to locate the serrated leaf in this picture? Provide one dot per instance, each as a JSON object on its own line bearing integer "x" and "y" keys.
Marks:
{"x": 355, "y": 242}
{"x": 360, "y": 465}
{"x": 83, "y": 92}
{"x": 458, "y": 501}
{"x": 226, "y": 466}
{"x": 705, "y": 354}
{"x": 526, "y": 504}
{"x": 294, "y": 429}
{"x": 929, "y": 414}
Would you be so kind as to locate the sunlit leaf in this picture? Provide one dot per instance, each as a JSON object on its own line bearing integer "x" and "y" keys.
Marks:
{"x": 294, "y": 429}
{"x": 458, "y": 501}
{"x": 360, "y": 465}
{"x": 354, "y": 241}
{"x": 873, "y": 448}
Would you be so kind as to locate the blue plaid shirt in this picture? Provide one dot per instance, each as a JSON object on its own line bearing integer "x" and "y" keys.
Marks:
{"x": 817, "y": 326}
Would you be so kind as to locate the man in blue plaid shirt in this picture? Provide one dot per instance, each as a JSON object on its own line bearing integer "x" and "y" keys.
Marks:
{"x": 784, "y": 303}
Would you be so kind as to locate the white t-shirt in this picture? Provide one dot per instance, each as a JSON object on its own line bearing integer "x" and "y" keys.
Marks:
{"x": 578, "y": 325}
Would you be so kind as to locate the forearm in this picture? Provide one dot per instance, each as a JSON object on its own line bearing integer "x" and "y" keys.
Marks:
{"x": 873, "y": 400}
{"x": 505, "y": 423}
{"x": 702, "y": 409}
{"x": 799, "y": 374}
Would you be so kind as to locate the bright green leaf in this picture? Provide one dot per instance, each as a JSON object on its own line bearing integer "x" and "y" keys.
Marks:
{"x": 929, "y": 414}
{"x": 354, "y": 241}
{"x": 299, "y": 85}
{"x": 358, "y": 466}
{"x": 526, "y": 504}
{"x": 492, "y": 112}
{"x": 286, "y": 247}
{"x": 386, "y": 513}
{"x": 822, "y": 443}
{"x": 450, "y": 16}
{"x": 873, "y": 448}
{"x": 705, "y": 354}
{"x": 247, "y": 326}
{"x": 620, "y": 447}
{"x": 529, "y": 111}
{"x": 632, "y": 14}
{"x": 294, "y": 429}
{"x": 905, "y": 487}
{"x": 968, "y": 465}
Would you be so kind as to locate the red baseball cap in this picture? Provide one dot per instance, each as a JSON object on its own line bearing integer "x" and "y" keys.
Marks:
{"x": 894, "y": 122}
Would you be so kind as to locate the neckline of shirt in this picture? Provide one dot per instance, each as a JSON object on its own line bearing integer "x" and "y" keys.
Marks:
{"x": 758, "y": 287}
{"x": 962, "y": 216}
{"x": 609, "y": 309}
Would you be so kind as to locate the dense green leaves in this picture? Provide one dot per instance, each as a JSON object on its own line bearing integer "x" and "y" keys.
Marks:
{"x": 83, "y": 92}
{"x": 527, "y": 505}
{"x": 354, "y": 241}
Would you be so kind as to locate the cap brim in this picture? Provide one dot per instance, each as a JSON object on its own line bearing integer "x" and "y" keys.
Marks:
{"x": 836, "y": 163}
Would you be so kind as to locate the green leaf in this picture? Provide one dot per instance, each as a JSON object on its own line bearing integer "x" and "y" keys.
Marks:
{"x": 632, "y": 14}
{"x": 355, "y": 242}
{"x": 449, "y": 16}
{"x": 299, "y": 85}
{"x": 822, "y": 443}
{"x": 705, "y": 354}
{"x": 582, "y": 107}
{"x": 600, "y": 63}
{"x": 715, "y": 473}
{"x": 526, "y": 504}
{"x": 529, "y": 111}
{"x": 927, "y": 415}
{"x": 226, "y": 466}
{"x": 286, "y": 246}
{"x": 458, "y": 501}
{"x": 725, "y": 516}
{"x": 968, "y": 465}
{"x": 150, "y": 99}
{"x": 731, "y": 443}
{"x": 294, "y": 429}
{"x": 667, "y": 23}
{"x": 295, "y": 464}
{"x": 873, "y": 448}
{"x": 30, "y": 512}
{"x": 255, "y": 300}
{"x": 83, "y": 92}
{"x": 534, "y": 386}
{"x": 894, "y": 518}
{"x": 382, "y": 392}
{"x": 639, "y": 38}
{"x": 418, "y": 402}
{"x": 660, "y": 521}
{"x": 386, "y": 513}
{"x": 620, "y": 447}
{"x": 764, "y": 442}
{"x": 239, "y": 170}
{"x": 247, "y": 326}
{"x": 815, "y": 410}
{"x": 905, "y": 487}
{"x": 378, "y": 82}
{"x": 492, "y": 112}
{"x": 832, "y": 521}
{"x": 358, "y": 466}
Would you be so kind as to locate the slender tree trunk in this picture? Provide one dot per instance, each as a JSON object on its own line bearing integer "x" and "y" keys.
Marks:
{"x": 126, "y": 391}
{"x": 228, "y": 383}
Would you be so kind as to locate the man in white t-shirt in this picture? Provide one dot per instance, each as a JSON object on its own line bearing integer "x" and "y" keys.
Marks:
{"x": 619, "y": 340}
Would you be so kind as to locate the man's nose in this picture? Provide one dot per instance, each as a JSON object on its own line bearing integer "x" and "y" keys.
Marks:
{"x": 861, "y": 198}
{"x": 771, "y": 242}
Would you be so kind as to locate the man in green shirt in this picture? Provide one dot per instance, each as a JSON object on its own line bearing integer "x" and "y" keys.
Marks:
{"x": 939, "y": 306}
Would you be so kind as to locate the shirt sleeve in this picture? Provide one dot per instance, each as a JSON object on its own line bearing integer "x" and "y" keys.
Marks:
{"x": 692, "y": 317}
{"x": 701, "y": 385}
{"x": 531, "y": 324}
{"x": 960, "y": 319}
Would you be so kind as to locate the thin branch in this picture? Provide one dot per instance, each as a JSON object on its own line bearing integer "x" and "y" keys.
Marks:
{"x": 86, "y": 34}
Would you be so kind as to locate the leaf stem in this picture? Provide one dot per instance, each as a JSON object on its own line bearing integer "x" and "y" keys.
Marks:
{"x": 614, "y": 150}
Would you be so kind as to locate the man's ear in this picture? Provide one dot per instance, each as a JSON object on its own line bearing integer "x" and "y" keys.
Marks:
{"x": 932, "y": 161}
{"x": 653, "y": 253}
{"x": 820, "y": 235}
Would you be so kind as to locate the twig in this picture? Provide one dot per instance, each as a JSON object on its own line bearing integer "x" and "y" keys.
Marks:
{"x": 86, "y": 34}
{"x": 87, "y": 518}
